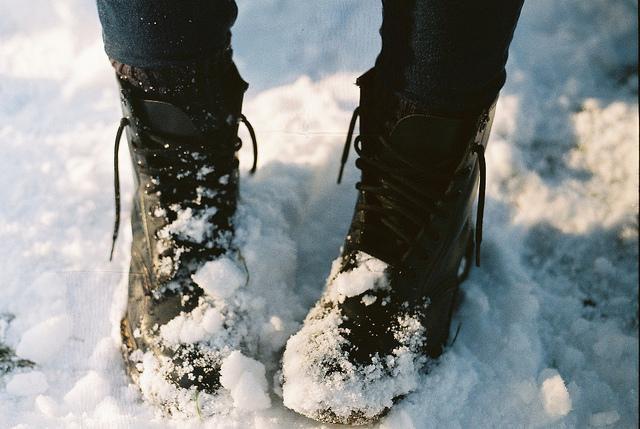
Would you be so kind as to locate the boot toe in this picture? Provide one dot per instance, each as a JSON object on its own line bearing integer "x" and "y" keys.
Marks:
{"x": 331, "y": 375}
{"x": 184, "y": 384}
{"x": 177, "y": 364}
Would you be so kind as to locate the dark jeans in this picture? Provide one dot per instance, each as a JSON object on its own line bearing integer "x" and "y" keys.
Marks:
{"x": 448, "y": 55}
{"x": 156, "y": 33}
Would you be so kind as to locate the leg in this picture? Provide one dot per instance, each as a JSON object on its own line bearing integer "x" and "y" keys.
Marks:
{"x": 162, "y": 46}
{"x": 425, "y": 114}
{"x": 160, "y": 33}
{"x": 447, "y": 55}
{"x": 181, "y": 98}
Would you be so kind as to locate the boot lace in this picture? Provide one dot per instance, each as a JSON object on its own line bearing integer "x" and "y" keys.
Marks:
{"x": 179, "y": 167}
{"x": 399, "y": 197}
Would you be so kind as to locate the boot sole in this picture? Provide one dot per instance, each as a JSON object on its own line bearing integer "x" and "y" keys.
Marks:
{"x": 128, "y": 346}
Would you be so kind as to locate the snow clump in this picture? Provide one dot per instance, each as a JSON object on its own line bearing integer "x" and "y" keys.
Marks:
{"x": 220, "y": 278}
{"x": 27, "y": 384}
{"x": 245, "y": 379}
{"x": 321, "y": 380}
{"x": 369, "y": 274}
{"x": 193, "y": 327}
{"x": 555, "y": 396}
{"x": 44, "y": 340}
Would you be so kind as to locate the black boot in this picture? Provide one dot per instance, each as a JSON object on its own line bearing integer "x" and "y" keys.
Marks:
{"x": 388, "y": 302}
{"x": 181, "y": 125}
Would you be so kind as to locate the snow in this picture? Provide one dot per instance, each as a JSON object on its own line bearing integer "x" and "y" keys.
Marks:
{"x": 87, "y": 392}
{"x": 246, "y": 380}
{"x": 555, "y": 397}
{"x": 603, "y": 419}
{"x": 46, "y": 405}
{"x": 44, "y": 340}
{"x": 193, "y": 327}
{"x": 549, "y": 323}
{"x": 220, "y": 278}
{"x": 369, "y": 275}
{"x": 366, "y": 391}
{"x": 368, "y": 299}
{"x": 27, "y": 384}
{"x": 188, "y": 225}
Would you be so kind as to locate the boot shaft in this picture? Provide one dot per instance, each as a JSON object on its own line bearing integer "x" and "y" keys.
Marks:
{"x": 183, "y": 145}
{"x": 427, "y": 157}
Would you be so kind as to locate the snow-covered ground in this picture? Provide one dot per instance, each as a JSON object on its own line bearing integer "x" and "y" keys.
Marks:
{"x": 549, "y": 324}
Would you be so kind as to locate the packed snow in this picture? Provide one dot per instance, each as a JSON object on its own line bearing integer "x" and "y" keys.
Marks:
{"x": 555, "y": 396}
{"x": 27, "y": 384}
{"x": 349, "y": 392}
{"x": 549, "y": 323}
{"x": 193, "y": 327}
{"x": 369, "y": 275}
{"x": 45, "y": 339}
{"x": 208, "y": 277}
{"x": 246, "y": 381}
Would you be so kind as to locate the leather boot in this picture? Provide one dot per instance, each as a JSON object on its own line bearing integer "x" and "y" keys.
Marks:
{"x": 182, "y": 131}
{"x": 387, "y": 306}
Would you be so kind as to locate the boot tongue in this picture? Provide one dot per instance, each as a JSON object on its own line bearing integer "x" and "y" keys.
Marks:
{"x": 167, "y": 119}
{"x": 430, "y": 142}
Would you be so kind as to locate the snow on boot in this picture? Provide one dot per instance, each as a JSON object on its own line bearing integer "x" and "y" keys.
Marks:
{"x": 387, "y": 306}
{"x": 181, "y": 321}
